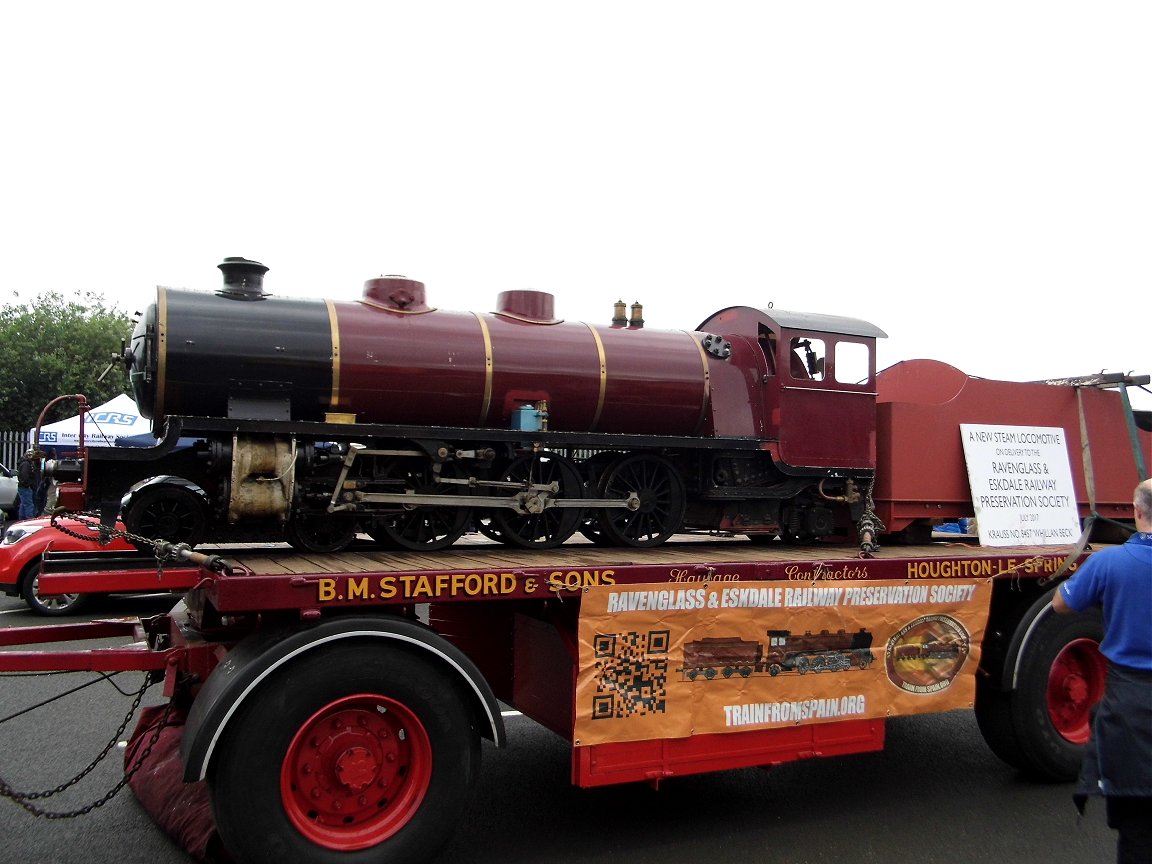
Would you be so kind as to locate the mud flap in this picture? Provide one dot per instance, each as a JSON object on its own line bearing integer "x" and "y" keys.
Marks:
{"x": 182, "y": 810}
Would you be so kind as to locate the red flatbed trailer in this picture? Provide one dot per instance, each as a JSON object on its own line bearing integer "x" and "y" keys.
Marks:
{"x": 336, "y": 702}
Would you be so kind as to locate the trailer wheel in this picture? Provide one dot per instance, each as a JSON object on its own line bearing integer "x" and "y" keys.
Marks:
{"x": 358, "y": 755}
{"x": 1040, "y": 727}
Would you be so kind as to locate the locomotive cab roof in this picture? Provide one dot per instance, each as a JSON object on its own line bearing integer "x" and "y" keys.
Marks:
{"x": 746, "y": 320}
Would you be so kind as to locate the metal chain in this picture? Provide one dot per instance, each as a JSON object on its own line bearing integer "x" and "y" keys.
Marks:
{"x": 9, "y": 792}
{"x": 163, "y": 549}
{"x": 24, "y": 799}
{"x": 106, "y": 533}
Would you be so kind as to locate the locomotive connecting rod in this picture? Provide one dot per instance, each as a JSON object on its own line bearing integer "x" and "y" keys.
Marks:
{"x": 523, "y": 502}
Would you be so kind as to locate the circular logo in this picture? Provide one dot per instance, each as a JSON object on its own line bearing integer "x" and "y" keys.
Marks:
{"x": 926, "y": 654}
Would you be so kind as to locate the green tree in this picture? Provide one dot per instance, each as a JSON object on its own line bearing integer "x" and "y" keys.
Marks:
{"x": 52, "y": 346}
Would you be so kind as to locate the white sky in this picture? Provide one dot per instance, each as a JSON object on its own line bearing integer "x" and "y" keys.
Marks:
{"x": 974, "y": 178}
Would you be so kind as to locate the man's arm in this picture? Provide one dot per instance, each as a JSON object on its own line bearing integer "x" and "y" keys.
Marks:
{"x": 1059, "y": 603}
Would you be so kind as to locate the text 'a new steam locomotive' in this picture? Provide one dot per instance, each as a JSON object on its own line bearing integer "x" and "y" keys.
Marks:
{"x": 315, "y": 420}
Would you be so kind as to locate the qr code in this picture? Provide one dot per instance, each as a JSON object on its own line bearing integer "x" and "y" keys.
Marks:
{"x": 632, "y": 674}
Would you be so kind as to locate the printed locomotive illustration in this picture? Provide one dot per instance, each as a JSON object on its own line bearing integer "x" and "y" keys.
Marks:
{"x": 784, "y": 651}
{"x": 926, "y": 654}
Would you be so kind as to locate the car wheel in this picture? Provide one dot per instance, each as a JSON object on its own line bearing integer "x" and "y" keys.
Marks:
{"x": 49, "y": 604}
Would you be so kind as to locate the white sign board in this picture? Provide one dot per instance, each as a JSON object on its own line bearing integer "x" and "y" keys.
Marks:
{"x": 1021, "y": 482}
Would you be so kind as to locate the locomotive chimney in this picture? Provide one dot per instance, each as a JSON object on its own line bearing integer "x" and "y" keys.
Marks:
{"x": 636, "y": 322}
{"x": 618, "y": 318}
{"x": 243, "y": 279}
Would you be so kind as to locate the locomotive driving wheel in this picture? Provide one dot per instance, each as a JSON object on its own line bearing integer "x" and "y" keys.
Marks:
{"x": 421, "y": 528}
{"x": 662, "y": 501}
{"x": 594, "y": 468}
{"x": 167, "y": 512}
{"x": 321, "y": 533}
{"x": 543, "y": 528}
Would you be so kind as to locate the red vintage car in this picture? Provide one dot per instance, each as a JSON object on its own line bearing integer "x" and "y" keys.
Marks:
{"x": 24, "y": 544}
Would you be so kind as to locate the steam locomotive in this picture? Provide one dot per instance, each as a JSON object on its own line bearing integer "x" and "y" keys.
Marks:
{"x": 785, "y": 651}
{"x": 313, "y": 420}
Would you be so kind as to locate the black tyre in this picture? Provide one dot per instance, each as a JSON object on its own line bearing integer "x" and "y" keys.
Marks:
{"x": 322, "y": 534}
{"x": 483, "y": 523}
{"x": 49, "y": 604}
{"x": 662, "y": 501}
{"x": 590, "y": 529}
{"x": 361, "y": 754}
{"x": 994, "y": 717}
{"x": 550, "y": 527}
{"x": 420, "y": 528}
{"x": 167, "y": 512}
{"x": 1042, "y": 725}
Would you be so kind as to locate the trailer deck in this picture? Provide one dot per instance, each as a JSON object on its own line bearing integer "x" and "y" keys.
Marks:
{"x": 703, "y": 654}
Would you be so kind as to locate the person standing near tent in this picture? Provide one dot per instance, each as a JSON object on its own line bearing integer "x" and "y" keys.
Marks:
{"x": 28, "y": 477}
{"x": 40, "y": 496}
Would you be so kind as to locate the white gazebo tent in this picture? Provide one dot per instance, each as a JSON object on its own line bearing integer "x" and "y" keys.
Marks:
{"x": 118, "y": 418}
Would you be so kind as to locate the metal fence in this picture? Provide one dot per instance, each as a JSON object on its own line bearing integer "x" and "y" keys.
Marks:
{"x": 12, "y": 447}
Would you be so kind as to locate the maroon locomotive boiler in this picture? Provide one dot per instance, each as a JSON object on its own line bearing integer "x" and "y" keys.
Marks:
{"x": 317, "y": 419}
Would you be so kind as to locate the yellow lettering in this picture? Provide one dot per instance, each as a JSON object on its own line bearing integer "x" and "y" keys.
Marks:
{"x": 387, "y": 587}
{"x": 358, "y": 588}
{"x": 325, "y": 590}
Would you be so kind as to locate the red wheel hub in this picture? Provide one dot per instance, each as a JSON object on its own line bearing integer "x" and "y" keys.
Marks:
{"x": 1075, "y": 684}
{"x": 356, "y": 772}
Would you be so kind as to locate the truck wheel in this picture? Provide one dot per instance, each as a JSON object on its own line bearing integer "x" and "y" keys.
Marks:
{"x": 49, "y": 604}
{"x": 358, "y": 755}
{"x": 1041, "y": 726}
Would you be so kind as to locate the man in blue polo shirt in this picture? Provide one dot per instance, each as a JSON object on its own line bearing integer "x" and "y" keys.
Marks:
{"x": 1118, "y": 759}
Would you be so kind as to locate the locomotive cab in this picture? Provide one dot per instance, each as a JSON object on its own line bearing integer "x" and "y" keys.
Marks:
{"x": 818, "y": 393}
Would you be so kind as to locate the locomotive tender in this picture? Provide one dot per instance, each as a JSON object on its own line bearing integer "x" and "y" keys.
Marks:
{"x": 313, "y": 420}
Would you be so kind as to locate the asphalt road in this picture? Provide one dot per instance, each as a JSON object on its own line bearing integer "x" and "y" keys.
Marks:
{"x": 935, "y": 793}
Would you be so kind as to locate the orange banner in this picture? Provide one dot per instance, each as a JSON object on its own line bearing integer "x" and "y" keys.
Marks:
{"x": 664, "y": 662}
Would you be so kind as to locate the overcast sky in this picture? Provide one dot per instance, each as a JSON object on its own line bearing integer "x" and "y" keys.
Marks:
{"x": 974, "y": 178}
